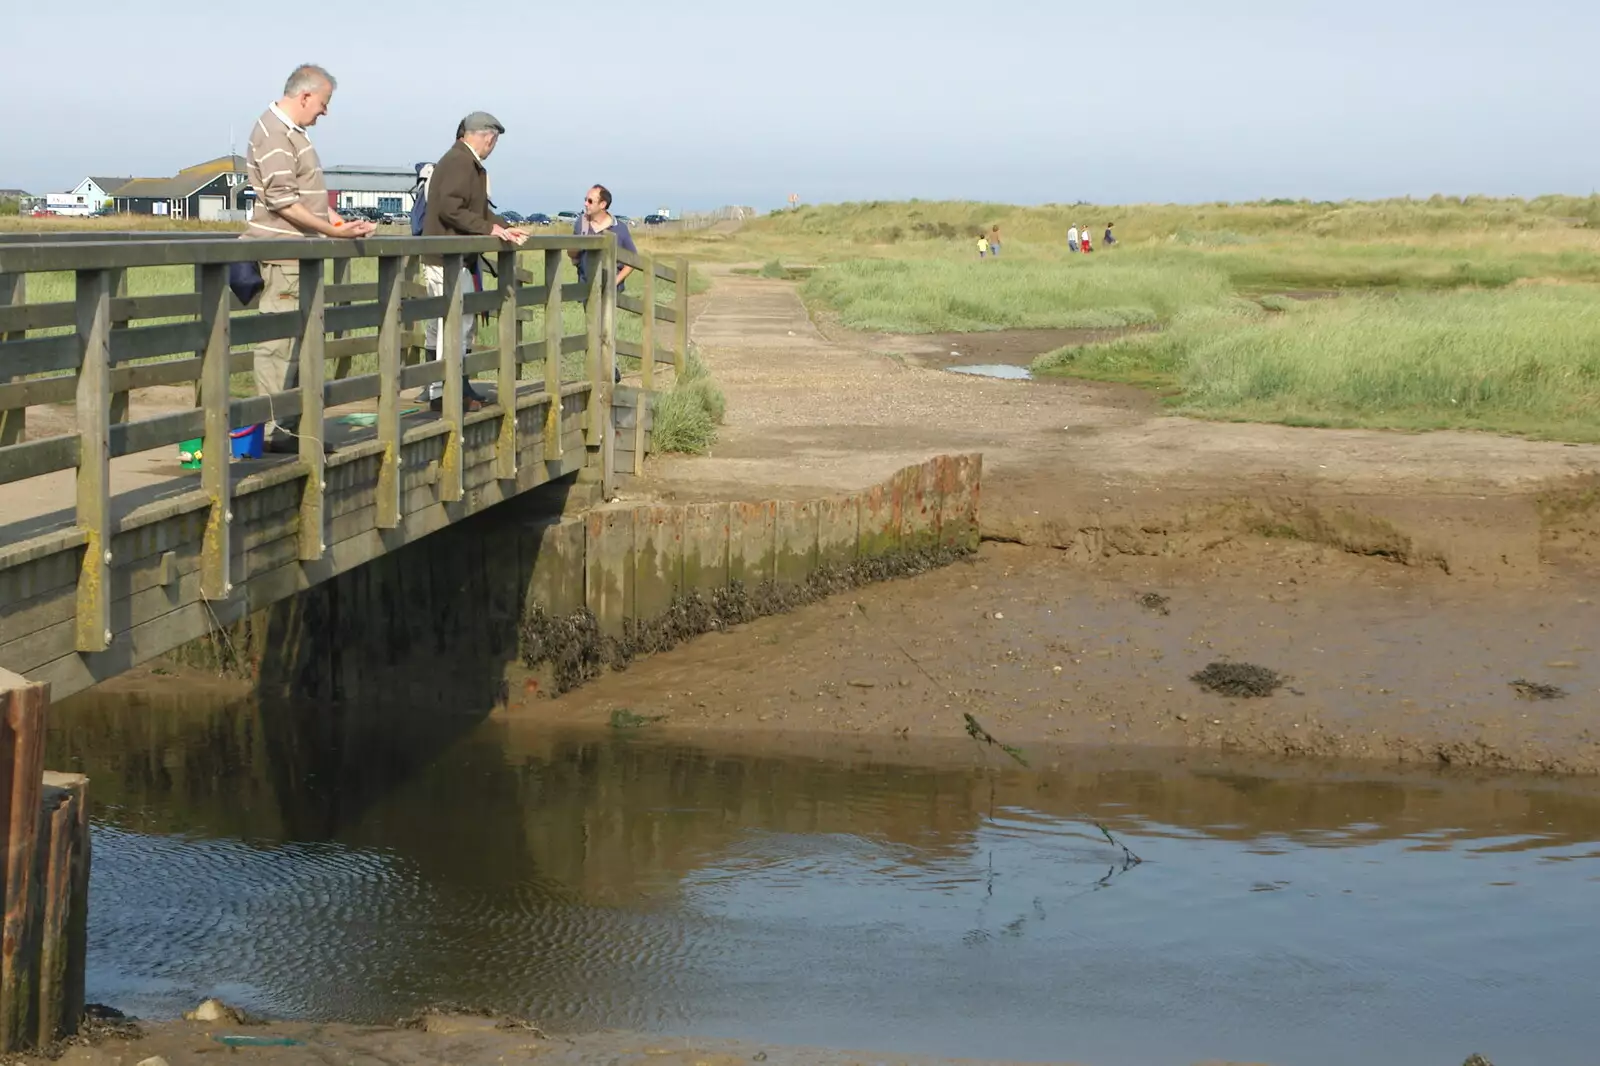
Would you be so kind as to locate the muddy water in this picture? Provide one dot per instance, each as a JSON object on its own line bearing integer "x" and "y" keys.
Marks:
{"x": 1005, "y": 371}
{"x": 908, "y": 899}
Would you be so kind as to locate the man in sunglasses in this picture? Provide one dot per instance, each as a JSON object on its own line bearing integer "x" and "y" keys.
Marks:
{"x": 596, "y": 219}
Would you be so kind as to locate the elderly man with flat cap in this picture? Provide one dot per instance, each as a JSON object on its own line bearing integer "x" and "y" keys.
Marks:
{"x": 458, "y": 205}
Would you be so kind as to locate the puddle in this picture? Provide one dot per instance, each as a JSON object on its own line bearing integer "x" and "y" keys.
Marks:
{"x": 995, "y": 370}
{"x": 311, "y": 863}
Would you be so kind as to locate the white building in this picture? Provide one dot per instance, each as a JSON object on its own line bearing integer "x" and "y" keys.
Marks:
{"x": 87, "y": 197}
{"x": 389, "y": 189}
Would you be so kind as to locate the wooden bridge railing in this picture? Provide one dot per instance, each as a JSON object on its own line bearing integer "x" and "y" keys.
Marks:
{"x": 95, "y": 348}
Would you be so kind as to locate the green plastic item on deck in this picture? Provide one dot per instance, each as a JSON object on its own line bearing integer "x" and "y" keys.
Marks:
{"x": 189, "y": 453}
{"x": 370, "y": 418}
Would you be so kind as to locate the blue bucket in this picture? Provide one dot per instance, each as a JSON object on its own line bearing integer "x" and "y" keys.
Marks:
{"x": 247, "y": 441}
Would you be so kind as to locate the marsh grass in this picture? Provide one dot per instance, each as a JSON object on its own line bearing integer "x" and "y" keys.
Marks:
{"x": 954, "y": 295}
{"x": 1523, "y": 361}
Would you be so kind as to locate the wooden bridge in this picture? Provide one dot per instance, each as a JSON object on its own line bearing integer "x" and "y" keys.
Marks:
{"x": 111, "y": 553}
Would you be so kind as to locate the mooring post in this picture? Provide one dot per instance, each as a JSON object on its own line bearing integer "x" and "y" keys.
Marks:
{"x": 451, "y": 355}
{"x": 390, "y": 279}
{"x": 311, "y": 348}
{"x": 22, "y": 713}
{"x": 63, "y": 847}
{"x": 93, "y": 630}
{"x": 552, "y": 354}
{"x": 505, "y": 447}
{"x": 13, "y": 422}
{"x": 44, "y": 880}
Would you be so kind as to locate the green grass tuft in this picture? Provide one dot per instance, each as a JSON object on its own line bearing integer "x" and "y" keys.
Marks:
{"x": 686, "y": 417}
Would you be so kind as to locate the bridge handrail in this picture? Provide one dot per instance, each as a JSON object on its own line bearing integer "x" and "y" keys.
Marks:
{"x": 104, "y": 357}
{"x": 43, "y": 256}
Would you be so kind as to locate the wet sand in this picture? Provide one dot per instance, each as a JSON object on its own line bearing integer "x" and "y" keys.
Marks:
{"x": 463, "y": 1040}
{"x": 1378, "y": 661}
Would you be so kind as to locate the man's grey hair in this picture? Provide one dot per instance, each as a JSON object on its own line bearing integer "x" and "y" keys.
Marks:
{"x": 308, "y": 78}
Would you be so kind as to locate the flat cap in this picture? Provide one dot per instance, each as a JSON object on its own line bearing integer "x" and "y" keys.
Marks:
{"x": 479, "y": 121}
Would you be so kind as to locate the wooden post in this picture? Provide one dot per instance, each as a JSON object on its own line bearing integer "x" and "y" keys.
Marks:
{"x": 608, "y": 362}
{"x": 594, "y": 319}
{"x": 552, "y": 354}
{"x": 62, "y": 870}
{"x": 93, "y": 631}
{"x": 451, "y": 354}
{"x": 641, "y": 404}
{"x": 680, "y": 299}
{"x": 22, "y": 713}
{"x": 215, "y": 369}
{"x": 341, "y": 276}
{"x": 390, "y": 279}
{"x": 13, "y": 423}
{"x": 647, "y": 364}
{"x": 119, "y": 400}
{"x": 414, "y": 333}
{"x": 310, "y": 355}
{"x": 505, "y": 446}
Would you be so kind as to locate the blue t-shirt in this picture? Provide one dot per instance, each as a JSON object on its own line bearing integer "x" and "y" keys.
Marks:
{"x": 587, "y": 260}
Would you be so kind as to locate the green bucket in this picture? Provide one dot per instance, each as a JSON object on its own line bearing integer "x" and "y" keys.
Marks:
{"x": 189, "y": 453}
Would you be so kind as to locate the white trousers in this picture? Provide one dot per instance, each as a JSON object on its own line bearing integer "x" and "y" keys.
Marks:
{"x": 433, "y": 278}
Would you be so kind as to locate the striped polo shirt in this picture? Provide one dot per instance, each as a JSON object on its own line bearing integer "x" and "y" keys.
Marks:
{"x": 284, "y": 170}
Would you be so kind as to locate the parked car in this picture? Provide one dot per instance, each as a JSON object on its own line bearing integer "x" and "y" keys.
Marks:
{"x": 655, "y": 220}
{"x": 570, "y": 216}
{"x": 538, "y": 218}
{"x": 513, "y": 217}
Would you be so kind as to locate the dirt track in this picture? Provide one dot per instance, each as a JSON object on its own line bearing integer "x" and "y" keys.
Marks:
{"x": 1098, "y": 469}
{"x": 1399, "y": 581}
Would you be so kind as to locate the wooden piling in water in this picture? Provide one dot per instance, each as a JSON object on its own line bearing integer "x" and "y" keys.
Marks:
{"x": 45, "y": 886}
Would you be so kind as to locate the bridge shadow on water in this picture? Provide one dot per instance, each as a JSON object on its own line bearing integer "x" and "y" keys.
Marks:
{"x": 358, "y": 683}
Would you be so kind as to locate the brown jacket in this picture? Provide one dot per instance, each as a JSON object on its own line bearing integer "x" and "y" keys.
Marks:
{"x": 458, "y": 198}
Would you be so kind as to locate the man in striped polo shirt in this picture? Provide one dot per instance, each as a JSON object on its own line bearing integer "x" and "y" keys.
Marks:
{"x": 291, "y": 202}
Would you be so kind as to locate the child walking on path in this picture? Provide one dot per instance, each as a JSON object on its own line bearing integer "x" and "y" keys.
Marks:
{"x": 983, "y": 245}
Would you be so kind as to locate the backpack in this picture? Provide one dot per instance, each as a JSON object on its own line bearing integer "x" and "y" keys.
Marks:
{"x": 419, "y": 201}
{"x": 419, "y": 210}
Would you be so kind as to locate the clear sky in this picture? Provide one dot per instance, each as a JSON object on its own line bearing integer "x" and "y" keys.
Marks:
{"x": 699, "y": 103}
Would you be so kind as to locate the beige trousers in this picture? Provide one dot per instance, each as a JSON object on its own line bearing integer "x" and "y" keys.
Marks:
{"x": 276, "y": 368}
{"x": 433, "y": 278}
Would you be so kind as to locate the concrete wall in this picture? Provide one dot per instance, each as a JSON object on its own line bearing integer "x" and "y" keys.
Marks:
{"x": 638, "y": 560}
{"x": 571, "y": 590}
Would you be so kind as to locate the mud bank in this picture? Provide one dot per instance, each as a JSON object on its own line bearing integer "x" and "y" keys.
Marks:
{"x": 465, "y": 1040}
{"x": 1378, "y": 661}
